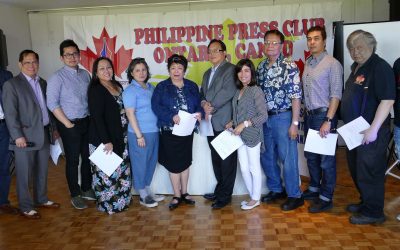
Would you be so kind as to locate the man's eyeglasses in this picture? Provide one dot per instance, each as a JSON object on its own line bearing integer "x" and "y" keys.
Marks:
{"x": 71, "y": 55}
{"x": 213, "y": 52}
{"x": 273, "y": 43}
{"x": 34, "y": 63}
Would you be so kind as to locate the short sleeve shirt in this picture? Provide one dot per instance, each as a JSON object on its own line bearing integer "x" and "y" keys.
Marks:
{"x": 280, "y": 83}
{"x": 138, "y": 98}
{"x": 375, "y": 78}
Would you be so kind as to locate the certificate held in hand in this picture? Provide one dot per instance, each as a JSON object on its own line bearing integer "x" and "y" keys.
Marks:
{"x": 108, "y": 163}
{"x": 226, "y": 143}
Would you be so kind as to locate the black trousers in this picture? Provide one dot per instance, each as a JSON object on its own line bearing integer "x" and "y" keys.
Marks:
{"x": 224, "y": 171}
{"x": 76, "y": 143}
{"x": 367, "y": 165}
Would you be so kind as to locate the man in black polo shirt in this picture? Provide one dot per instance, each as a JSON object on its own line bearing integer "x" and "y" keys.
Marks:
{"x": 370, "y": 93}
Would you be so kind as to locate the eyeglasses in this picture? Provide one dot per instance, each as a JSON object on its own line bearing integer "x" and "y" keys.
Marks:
{"x": 274, "y": 43}
{"x": 71, "y": 55}
{"x": 33, "y": 63}
{"x": 213, "y": 52}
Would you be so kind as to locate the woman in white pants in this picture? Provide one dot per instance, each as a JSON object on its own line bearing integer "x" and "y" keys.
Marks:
{"x": 249, "y": 114}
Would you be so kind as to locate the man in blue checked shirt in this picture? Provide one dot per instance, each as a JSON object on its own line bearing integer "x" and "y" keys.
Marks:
{"x": 279, "y": 78}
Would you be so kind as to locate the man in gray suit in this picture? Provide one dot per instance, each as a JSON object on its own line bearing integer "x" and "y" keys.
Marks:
{"x": 30, "y": 126}
{"x": 217, "y": 90}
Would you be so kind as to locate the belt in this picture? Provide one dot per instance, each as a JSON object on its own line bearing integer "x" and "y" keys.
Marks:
{"x": 2, "y": 121}
{"x": 316, "y": 111}
{"x": 275, "y": 112}
{"x": 79, "y": 119}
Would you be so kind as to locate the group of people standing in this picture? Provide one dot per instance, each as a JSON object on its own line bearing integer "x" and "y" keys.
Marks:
{"x": 260, "y": 105}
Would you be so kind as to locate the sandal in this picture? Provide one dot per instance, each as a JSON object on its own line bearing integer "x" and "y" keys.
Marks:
{"x": 186, "y": 200}
{"x": 172, "y": 205}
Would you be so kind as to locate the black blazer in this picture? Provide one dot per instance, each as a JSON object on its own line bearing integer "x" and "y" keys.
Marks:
{"x": 105, "y": 120}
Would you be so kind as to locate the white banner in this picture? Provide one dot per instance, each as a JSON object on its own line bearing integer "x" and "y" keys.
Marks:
{"x": 155, "y": 36}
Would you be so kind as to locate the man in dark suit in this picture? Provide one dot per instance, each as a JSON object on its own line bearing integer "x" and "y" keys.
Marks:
{"x": 5, "y": 178}
{"x": 30, "y": 125}
{"x": 217, "y": 90}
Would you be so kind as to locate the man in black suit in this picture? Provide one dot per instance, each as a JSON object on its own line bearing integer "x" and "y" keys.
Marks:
{"x": 217, "y": 90}
{"x": 5, "y": 178}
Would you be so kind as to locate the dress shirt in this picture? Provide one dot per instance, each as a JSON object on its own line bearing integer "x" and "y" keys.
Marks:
{"x": 1, "y": 112}
{"x": 322, "y": 80}
{"x": 213, "y": 70}
{"x": 280, "y": 82}
{"x": 67, "y": 89}
{"x": 34, "y": 82}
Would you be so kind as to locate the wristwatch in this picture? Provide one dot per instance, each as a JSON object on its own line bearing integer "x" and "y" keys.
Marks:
{"x": 327, "y": 119}
{"x": 246, "y": 124}
{"x": 296, "y": 123}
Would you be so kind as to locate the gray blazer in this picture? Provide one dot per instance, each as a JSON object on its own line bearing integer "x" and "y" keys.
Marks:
{"x": 23, "y": 113}
{"x": 251, "y": 106}
{"x": 220, "y": 93}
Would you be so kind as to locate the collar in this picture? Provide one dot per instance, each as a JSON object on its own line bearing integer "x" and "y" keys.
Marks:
{"x": 69, "y": 69}
{"x": 278, "y": 60}
{"x": 28, "y": 78}
{"x": 216, "y": 67}
{"x": 368, "y": 62}
{"x": 136, "y": 84}
{"x": 318, "y": 58}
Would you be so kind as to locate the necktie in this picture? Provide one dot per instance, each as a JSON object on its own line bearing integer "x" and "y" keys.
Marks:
{"x": 40, "y": 99}
{"x": 211, "y": 76}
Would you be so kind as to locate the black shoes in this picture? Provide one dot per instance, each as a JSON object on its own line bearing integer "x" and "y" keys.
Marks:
{"x": 272, "y": 196}
{"x": 186, "y": 200}
{"x": 354, "y": 208}
{"x": 360, "y": 219}
{"x": 210, "y": 196}
{"x": 309, "y": 195}
{"x": 320, "y": 206}
{"x": 292, "y": 203}
{"x": 219, "y": 205}
{"x": 173, "y": 205}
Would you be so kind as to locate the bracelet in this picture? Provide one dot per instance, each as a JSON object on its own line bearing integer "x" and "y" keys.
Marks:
{"x": 140, "y": 138}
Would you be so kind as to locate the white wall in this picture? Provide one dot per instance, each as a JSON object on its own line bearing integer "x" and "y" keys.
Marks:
{"x": 15, "y": 24}
{"x": 48, "y": 31}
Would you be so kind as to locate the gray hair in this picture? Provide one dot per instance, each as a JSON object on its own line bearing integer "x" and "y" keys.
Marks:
{"x": 364, "y": 35}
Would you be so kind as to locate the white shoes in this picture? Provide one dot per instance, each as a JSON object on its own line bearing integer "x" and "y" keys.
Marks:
{"x": 247, "y": 207}
{"x": 158, "y": 197}
{"x": 398, "y": 217}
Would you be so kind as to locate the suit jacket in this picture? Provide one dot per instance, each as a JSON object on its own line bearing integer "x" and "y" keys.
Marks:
{"x": 23, "y": 113}
{"x": 220, "y": 93}
{"x": 4, "y": 76}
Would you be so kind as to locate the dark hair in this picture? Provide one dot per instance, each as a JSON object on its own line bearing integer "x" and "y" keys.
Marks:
{"x": 221, "y": 43}
{"x": 245, "y": 62}
{"x": 95, "y": 80}
{"x": 275, "y": 32}
{"x": 320, "y": 29}
{"x": 175, "y": 58}
{"x": 132, "y": 65}
{"x": 25, "y": 53}
{"x": 67, "y": 43}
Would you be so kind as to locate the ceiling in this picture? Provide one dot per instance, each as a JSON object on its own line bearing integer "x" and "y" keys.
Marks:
{"x": 62, "y": 4}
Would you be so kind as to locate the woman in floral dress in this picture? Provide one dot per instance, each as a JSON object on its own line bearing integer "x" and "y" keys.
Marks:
{"x": 108, "y": 125}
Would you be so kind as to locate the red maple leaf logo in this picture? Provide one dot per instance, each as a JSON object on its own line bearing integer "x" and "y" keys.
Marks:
{"x": 300, "y": 63}
{"x": 105, "y": 46}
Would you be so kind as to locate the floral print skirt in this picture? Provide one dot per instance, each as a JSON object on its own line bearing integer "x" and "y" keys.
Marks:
{"x": 113, "y": 193}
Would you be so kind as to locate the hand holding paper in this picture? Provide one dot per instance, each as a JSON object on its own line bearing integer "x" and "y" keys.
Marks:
{"x": 186, "y": 124}
{"x": 351, "y": 132}
{"x": 316, "y": 144}
{"x": 226, "y": 143}
{"x": 108, "y": 163}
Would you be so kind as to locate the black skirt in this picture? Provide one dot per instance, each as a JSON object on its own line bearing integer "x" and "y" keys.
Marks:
{"x": 175, "y": 152}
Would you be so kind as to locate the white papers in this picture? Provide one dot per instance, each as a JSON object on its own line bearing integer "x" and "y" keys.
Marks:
{"x": 206, "y": 128}
{"x": 318, "y": 145}
{"x": 226, "y": 143}
{"x": 186, "y": 124}
{"x": 351, "y": 132}
{"x": 108, "y": 163}
{"x": 55, "y": 151}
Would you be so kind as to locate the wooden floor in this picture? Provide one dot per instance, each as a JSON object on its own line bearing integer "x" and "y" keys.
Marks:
{"x": 199, "y": 227}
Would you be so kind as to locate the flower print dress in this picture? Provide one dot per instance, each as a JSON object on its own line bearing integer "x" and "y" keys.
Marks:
{"x": 113, "y": 192}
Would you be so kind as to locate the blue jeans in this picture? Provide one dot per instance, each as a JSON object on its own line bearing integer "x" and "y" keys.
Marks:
{"x": 280, "y": 148}
{"x": 397, "y": 141}
{"x": 5, "y": 178}
{"x": 143, "y": 160}
{"x": 322, "y": 168}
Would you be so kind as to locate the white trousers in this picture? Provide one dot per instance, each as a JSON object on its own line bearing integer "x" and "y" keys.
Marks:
{"x": 250, "y": 166}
